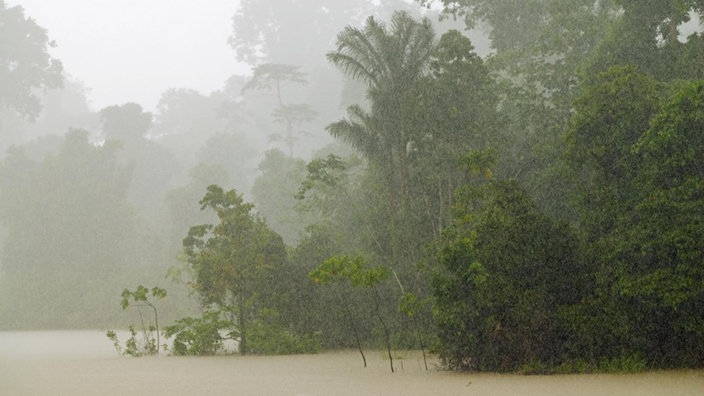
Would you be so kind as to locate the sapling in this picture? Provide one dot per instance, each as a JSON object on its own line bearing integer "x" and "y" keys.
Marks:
{"x": 140, "y": 297}
{"x": 355, "y": 270}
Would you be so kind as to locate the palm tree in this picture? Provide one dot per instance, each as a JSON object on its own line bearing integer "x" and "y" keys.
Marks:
{"x": 385, "y": 57}
{"x": 359, "y": 131}
{"x": 389, "y": 59}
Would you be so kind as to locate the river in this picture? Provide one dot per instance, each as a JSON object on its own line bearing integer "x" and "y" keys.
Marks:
{"x": 75, "y": 363}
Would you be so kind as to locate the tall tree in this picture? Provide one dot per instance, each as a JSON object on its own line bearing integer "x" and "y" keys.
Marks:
{"x": 62, "y": 108}
{"x": 431, "y": 101}
{"x": 274, "y": 192}
{"x": 274, "y": 76}
{"x": 125, "y": 123}
{"x": 540, "y": 45}
{"x": 268, "y": 32}
{"x": 659, "y": 250}
{"x": 635, "y": 157}
{"x": 540, "y": 48}
{"x": 180, "y": 206}
{"x": 453, "y": 108}
{"x": 154, "y": 167}
{"x": 611, "y": 115}
{"x": 646, "y": 35}
{"x": 273, "y": 33}
{"x": 185, "y": 120}
{"x": 385, "y": 57}
{"x": 505, "y": 272}
{"x": 545, "y": 47}
{"x": 389, "y": 59}
{"x": 68, "y": 224}
{"x": 26, "y": 65}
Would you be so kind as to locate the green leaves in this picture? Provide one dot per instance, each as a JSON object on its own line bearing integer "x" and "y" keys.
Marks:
{"x": 141, "y": 294}
{"x": 138, "y": 298}
{"x": 672, "y": 146}
{"x": 666, "y": 233}
{"x": 235, "y": 260}
{"x": 390, "y": 59}
{"x": 198, "y": 336}
{"x": 411, "y": 305}
{"x": 352, "y": 269}
{"x": 125, "y": 302}
{"x": 612, "y": 114}
{"x": 480, "y": 162}
{"x": 384, "y": 55}
{"x": 636, "y": 149}
{"x": 505, "y": 269}
{"x": 159, "y": 292}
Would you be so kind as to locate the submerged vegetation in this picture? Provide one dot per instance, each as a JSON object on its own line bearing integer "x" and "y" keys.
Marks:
{"x": 538, "y": 208}
{"x": 150, "y": 340}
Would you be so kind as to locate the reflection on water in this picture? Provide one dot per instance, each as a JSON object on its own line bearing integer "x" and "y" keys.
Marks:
{"x": 85, "y": 363}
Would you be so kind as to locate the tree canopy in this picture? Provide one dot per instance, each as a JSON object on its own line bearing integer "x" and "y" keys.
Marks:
{"x": 233, "y": 259}
{"x": 536, "y": 208}
{"x": 26, "y": 63}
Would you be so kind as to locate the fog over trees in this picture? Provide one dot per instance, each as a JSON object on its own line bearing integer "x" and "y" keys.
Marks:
{"x": 514, "y": 185}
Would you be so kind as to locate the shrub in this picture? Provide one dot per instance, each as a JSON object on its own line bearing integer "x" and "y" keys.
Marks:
{"x": 199, "y": 336}
{"x": 269, "y": 338}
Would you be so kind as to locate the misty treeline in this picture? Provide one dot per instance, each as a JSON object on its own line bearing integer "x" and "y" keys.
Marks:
{"x": 540, "y": 208}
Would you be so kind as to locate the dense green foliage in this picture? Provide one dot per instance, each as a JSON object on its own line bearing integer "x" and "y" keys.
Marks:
{"x": 237, "y": 266}
{"x": 234, "y": 260}
{"x": 198, "y": 336}
{"x": 539, "y": 209}
{"x": 507, "y": 273}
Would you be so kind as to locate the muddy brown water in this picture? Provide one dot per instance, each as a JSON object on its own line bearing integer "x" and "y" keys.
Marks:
{"x": 84, "y": 363}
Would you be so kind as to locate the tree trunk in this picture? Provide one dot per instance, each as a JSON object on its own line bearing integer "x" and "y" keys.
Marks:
{"x": 242, "y": 324}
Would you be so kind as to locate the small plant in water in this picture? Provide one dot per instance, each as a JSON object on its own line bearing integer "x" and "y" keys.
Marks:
{"x": 148, "y": 343}
{"x": 135, "y": 346}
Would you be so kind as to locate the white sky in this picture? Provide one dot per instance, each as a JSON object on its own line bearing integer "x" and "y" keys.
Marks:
{"x": 133, "y": 50}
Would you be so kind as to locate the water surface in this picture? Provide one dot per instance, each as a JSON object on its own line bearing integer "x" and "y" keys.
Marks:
{"x": 85, "y": 363}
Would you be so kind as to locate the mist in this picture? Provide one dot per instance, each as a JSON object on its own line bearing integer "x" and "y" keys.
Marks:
{"x": 482, "y": 185}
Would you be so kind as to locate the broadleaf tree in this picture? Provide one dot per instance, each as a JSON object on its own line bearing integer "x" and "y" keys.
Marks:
{"x": 25, "y": 63}
{"x": 234, "y": 260}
